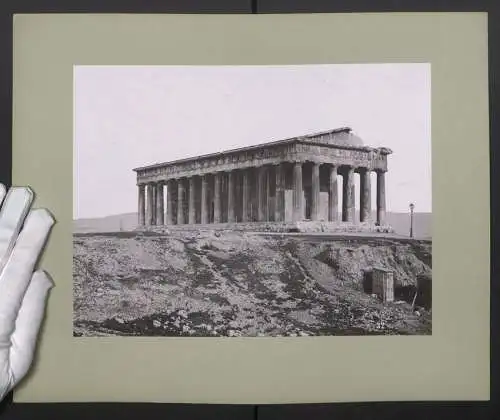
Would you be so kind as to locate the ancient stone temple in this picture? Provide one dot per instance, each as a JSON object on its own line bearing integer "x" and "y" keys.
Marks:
{"x": 286, "y": 181}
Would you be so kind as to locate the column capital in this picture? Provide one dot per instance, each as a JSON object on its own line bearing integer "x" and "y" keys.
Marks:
{"x": 311, "y": 160}
{"x": 349, "y": 168}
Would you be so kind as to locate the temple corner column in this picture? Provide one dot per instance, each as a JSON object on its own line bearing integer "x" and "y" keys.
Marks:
{"x": 381, "y": 198}
{"x": 142, "y": 205}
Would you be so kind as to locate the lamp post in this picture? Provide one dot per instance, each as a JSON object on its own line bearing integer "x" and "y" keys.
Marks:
{"x": 412, "y": 206}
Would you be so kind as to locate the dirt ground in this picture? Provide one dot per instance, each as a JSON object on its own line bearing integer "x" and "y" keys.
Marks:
{"x": 242, "y": 284}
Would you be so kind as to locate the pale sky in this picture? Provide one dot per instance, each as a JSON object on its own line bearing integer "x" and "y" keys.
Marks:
{"x": 130, "y": 116}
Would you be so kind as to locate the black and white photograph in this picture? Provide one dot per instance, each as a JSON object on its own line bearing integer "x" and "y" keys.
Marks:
{"x": 252, "y": 201}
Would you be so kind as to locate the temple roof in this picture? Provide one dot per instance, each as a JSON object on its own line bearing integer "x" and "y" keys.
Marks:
{"x": 342, "y": 137}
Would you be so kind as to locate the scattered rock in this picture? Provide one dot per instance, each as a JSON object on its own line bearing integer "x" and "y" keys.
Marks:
{"x": 272, "y": 280}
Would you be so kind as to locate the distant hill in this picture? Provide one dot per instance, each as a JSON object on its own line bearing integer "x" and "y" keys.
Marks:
{"x": 128, "y": 221}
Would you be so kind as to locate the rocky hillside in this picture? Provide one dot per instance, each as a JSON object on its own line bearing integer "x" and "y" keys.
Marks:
{"x": 242, "y": 284}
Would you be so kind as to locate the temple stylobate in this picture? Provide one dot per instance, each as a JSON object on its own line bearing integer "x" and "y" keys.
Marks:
{"x": 291, "y": 180}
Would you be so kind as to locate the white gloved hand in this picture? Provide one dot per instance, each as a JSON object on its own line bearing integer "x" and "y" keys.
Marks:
{"x": 23, "y": 291}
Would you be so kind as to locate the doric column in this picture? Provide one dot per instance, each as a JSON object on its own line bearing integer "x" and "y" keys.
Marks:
{"x": 142, "y": 205}
{"x": 231, "y": 204}
{"x": 159, "y": 204}
{"x": 365, "y": 195}
{"x": 315, "y": 192}
{"x": 297, "y": 192}
{"x": 347, "y": 195}
{"x": 380, "y": 198}
{"x": 170, "y": 201}
{"x": 217, "y": 197}
{"x": 267, "y": 195}
{"x": 181, "y": 189}
{"x": 333, "y": 196}
{"x": 245, "y": 204}
{"x": 153, "y": 203}
{"x": 261, "y": 193}
{"x": 352, "y": 205}
{"x": 149, "y": 205}
{"x": 279, "y": 214}
{"x": 204, "y": 199}
{"x": 192, "y": 197}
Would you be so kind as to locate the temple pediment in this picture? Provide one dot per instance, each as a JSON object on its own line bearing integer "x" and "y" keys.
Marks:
{"x": 338, "y": 137}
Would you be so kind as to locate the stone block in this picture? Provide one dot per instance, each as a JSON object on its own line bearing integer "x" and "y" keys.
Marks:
{"x": 383, "y": 284}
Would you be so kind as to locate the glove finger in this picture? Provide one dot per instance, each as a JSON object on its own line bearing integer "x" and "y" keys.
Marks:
{"x": 3, "y": 191}
{"x": 28, "y": 324}
{"x": 19, "y": 268}
{"x": 16, "y": 206}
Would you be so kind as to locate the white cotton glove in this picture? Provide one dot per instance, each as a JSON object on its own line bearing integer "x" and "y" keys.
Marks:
{"x": 23, "y": 292}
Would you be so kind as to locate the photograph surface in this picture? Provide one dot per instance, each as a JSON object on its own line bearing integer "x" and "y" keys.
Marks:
{"x": 252, "y": 201}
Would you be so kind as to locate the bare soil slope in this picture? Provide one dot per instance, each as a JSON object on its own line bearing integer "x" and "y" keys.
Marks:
{"x": 241, "y": 284}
